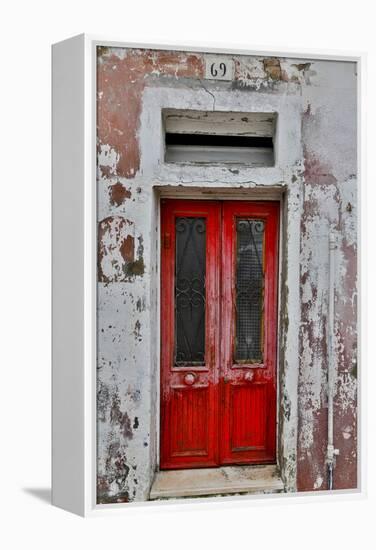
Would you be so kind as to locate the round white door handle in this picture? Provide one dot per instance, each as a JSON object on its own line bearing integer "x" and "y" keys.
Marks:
{"x": 189, "y": 379}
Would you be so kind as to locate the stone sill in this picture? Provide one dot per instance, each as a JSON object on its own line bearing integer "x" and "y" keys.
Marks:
{"x": 216, "y": 481}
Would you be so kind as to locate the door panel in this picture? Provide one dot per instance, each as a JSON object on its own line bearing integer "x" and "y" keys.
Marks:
{"x": 189, "y": 422}
{"x": 248, "y": 404}
{"x": 189, "y": 334}
{"x": 249, "y": 331}
{"x": 218, "y": 333}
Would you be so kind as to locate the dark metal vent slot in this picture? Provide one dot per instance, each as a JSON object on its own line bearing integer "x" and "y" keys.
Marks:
{"x": 219, "y": 137}
{"x": 215, "y": 140}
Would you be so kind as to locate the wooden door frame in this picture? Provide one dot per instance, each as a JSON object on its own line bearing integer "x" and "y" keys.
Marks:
{"x": 289, "y": 195}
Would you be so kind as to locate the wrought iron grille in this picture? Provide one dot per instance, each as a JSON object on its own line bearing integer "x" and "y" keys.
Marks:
{"x": 249, "y": 290}
{"x": 190, "y": 274}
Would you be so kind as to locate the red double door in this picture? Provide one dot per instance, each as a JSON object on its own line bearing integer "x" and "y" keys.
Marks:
{"x": 218, "y": 333}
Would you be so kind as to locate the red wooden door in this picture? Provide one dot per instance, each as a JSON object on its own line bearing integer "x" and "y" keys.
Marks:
{"x": 218, "y": 333}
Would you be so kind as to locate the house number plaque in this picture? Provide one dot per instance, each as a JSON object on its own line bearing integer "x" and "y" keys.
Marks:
{"x": 219, "y": 68}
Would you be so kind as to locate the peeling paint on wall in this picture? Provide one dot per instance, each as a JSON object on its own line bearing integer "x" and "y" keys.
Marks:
{"x": 118, "y": 194}
{"x": 315, "y": 169}
{"x": 122, "y": 76}
{"x": 116, "y": 250}
{"x": 328, "y": 169}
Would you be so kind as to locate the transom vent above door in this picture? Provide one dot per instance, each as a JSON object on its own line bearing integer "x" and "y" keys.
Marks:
{"x": 219, "y": 137}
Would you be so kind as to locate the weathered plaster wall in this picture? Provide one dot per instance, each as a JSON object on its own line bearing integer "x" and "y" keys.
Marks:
{"x": 330, "y": 202}
{"x": 316, "y": 170}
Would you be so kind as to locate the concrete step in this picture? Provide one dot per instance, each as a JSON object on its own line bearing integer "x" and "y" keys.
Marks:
{"x": 216, "y": 481}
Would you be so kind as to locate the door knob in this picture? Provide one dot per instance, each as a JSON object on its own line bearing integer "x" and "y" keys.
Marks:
{"x": 249, "y": 376}
{"x": 189, "y": 379}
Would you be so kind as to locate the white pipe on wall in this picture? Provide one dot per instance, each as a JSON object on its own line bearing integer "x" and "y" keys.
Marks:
{"x": 331, "y": 451}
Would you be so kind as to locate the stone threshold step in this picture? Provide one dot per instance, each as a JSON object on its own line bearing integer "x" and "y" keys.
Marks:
{"x": 216, "y": 481}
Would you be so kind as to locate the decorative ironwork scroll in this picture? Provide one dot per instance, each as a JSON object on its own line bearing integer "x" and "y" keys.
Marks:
{"x": 249, "y": 290}
{"x": 190, "y": 273}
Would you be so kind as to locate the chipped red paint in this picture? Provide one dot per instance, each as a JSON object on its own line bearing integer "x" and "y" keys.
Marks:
{"x": 116, "y": 251}
{"x": 345, "y": 474}
{"x": 118, "y": 194}
{"x": 115, "y": 248}
{"x": 127, "y": 249}
{"x": 120, "y": 82}
{"x": 317, "y": 172}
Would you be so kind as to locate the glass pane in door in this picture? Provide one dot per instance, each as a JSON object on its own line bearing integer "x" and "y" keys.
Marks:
{"x": 249, "y": 286}
{"x": 190, "y": 270}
